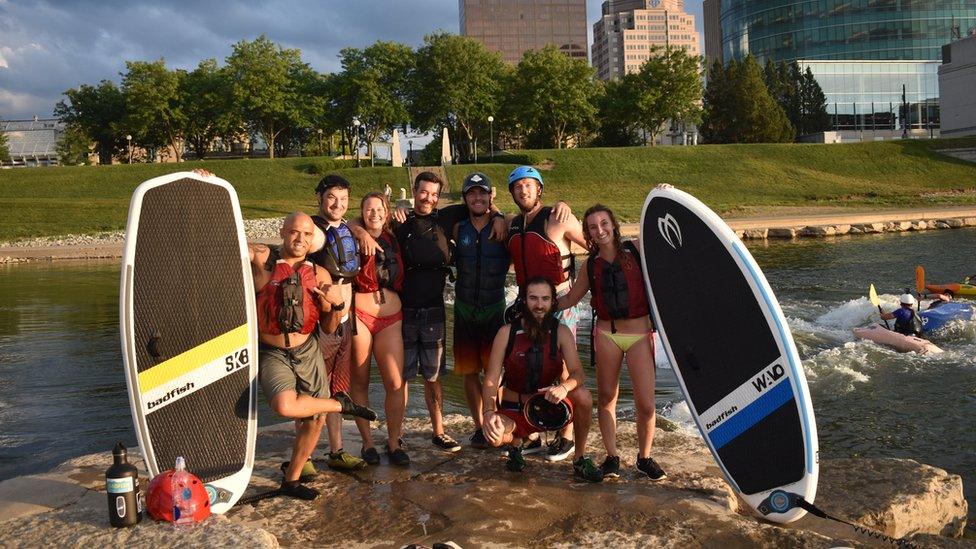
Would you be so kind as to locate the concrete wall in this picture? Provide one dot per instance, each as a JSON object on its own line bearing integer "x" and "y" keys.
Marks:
{"x": 957, "y": 80}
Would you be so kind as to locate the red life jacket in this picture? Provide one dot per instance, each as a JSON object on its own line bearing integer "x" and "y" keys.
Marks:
{"x": 286, "y": 303}
{"x": 383, "y": 269}
{"x": 533, "y": 253}
{"x": 617, "y": 290}
{"x": 529, "y": 366}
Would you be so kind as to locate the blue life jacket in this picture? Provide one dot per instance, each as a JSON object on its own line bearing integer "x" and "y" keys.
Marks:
{"x": 482, "y": 265}
{"x": 340, "y": 254}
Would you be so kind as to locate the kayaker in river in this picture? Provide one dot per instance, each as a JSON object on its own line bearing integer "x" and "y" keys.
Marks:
{"x": 906, "y": 318}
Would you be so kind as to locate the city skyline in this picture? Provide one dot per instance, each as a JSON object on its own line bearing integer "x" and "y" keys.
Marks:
{"x": 49, "y": 47}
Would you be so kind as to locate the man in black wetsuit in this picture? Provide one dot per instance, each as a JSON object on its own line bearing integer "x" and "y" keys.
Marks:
{"x": 425, "y": 241}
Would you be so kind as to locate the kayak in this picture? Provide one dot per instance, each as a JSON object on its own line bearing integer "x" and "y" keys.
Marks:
{"x": 899, "y": 342}
{"x": 954, "y": 289}
{"x": 936, "y": 318}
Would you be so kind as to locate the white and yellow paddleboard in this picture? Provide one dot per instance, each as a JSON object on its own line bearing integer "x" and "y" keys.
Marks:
{"x": 189, "y": 332}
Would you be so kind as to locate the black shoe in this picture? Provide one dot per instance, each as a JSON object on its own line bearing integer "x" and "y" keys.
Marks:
{"x": 516, "y": 462}
{"x": 350, "y": 408}
{"x": 446, "y": 443}
{"x": 648, "y": 467}
{"x": 478, "y": 440}
{"x": 298, "y": 490}
{"x": 532, "y": 446}
{"x": 397, "y": 457}
{"x": 611, "y": 467}
{"x": 308, "y": 473}
{"x": 560, "y": 449}
{"x": 585, "y": 469}
{"x": 370, "y": 456}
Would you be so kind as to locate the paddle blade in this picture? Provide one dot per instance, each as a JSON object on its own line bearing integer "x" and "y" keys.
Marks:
{"x": 919, "y": 279}
{"x": 873, "y": 296}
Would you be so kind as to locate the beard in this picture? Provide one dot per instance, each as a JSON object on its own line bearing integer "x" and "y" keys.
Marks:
{"x": 537, "y": 330}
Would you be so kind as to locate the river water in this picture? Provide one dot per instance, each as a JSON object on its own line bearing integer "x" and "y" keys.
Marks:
{"x": 62, "y": 388}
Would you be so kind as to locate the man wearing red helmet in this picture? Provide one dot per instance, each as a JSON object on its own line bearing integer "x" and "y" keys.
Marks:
{"x": 534, "y": 351}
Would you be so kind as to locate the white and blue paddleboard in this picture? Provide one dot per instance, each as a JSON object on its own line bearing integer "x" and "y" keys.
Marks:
{"x": 726, "y": 338}
{"x": 189, "y": 332}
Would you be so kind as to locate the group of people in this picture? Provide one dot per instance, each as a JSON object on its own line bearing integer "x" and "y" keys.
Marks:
{"x": 338, "y": 293}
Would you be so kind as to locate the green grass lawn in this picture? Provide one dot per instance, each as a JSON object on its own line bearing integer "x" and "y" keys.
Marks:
{"x": 732, "y": 179}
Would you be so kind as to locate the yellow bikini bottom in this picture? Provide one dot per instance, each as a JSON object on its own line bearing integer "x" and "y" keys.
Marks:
{"x": 623, "y": 341}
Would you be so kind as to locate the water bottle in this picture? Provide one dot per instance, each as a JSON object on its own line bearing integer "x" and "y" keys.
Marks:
{"x": 122, "y": 485}
{"x": 183, "y": 504}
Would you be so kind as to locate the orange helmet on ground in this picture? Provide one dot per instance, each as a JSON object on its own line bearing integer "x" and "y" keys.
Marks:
{"x": 159, "y": 499}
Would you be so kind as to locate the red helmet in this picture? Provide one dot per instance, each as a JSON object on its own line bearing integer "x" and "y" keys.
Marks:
{"x": 159, "y": 499}
{"x": 545, "y": 415}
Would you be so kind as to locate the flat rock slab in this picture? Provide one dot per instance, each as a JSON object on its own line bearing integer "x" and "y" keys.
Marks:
{"x": 469, "y": 498}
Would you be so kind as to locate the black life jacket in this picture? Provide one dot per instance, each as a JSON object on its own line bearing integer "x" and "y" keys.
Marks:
{"x": 425, "y": 247}
{"x": 911, "y": 327}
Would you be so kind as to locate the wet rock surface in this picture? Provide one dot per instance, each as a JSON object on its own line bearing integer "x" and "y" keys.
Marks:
{"x": 470, "y": 498}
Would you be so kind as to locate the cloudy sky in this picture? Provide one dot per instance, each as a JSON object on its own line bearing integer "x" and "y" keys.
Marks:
{"x": 47, "y": 47}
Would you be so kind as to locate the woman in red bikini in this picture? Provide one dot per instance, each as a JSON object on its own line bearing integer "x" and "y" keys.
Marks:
{"x": 378, "y": 328}
{"x": 622, "y": 328}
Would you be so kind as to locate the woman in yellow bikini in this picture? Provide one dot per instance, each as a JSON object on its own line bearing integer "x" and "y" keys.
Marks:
{"x": 378, "y": 323}
{"x": 622, "y": 326}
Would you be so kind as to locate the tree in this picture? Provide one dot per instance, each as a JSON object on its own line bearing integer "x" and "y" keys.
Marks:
{"x": 73, "y": 147}
{"x": 4, "y": 148}
{"x": 373, "y": 86}
{"x": 265, "y": 87}
{"x": 618, "y": 125}
{"x": 457, "y": 84}
{"x": 668, "y": 88}
{"x": 717, "y": 119}
{"x": 739, "y": 108}
{"x": 814, "y": 105}
{"x": 208, "y": 112}
{"x": 98, "y": 112}
{"x": 153, "y": 107}
{"x": 553, "y": 94}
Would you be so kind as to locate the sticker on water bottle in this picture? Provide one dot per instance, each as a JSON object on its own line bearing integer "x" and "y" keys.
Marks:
{"x": 120, "y": 485}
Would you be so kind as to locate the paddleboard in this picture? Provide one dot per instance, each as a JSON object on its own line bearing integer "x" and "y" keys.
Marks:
{"x": 728, "y": 342}
{"x": 189, "y": 331}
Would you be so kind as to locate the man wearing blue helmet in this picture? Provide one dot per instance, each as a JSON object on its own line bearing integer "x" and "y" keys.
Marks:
{"x": 540, "y": 245}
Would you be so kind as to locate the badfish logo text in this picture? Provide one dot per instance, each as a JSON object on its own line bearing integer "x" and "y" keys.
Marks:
{"x": 670, "y": 230}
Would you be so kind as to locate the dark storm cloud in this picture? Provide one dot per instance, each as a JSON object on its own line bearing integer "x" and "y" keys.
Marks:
{"x": 48, "y": 47}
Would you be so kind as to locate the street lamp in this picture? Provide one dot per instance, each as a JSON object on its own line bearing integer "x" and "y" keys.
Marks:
{"x": 320, "y": 141}
{"x": 491, "y": 136}
{"x": 355, "y": 122}
{"x": 128, "y": 146}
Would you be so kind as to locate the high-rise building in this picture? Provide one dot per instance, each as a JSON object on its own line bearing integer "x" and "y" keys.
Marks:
{"x": 863, "y": 53}
{"x": 513, "y": 27}
{"x": 627, "y": 31}
{"x": 711, "y": 12}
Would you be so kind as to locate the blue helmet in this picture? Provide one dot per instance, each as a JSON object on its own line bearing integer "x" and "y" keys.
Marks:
{"x": 521, "y": 173}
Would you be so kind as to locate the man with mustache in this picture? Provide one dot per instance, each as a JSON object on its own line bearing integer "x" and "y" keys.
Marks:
{"x": 536, "y": 352}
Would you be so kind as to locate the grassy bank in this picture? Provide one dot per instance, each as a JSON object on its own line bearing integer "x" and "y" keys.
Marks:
{"x": 733, "y": 179}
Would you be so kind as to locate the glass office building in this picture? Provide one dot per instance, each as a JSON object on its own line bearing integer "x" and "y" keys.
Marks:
{"x": 862, "y": 52}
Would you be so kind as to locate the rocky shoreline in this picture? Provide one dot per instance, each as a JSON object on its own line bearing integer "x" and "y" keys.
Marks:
{"x": 107, "y": 245}
{"x": 470, "y": 499}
